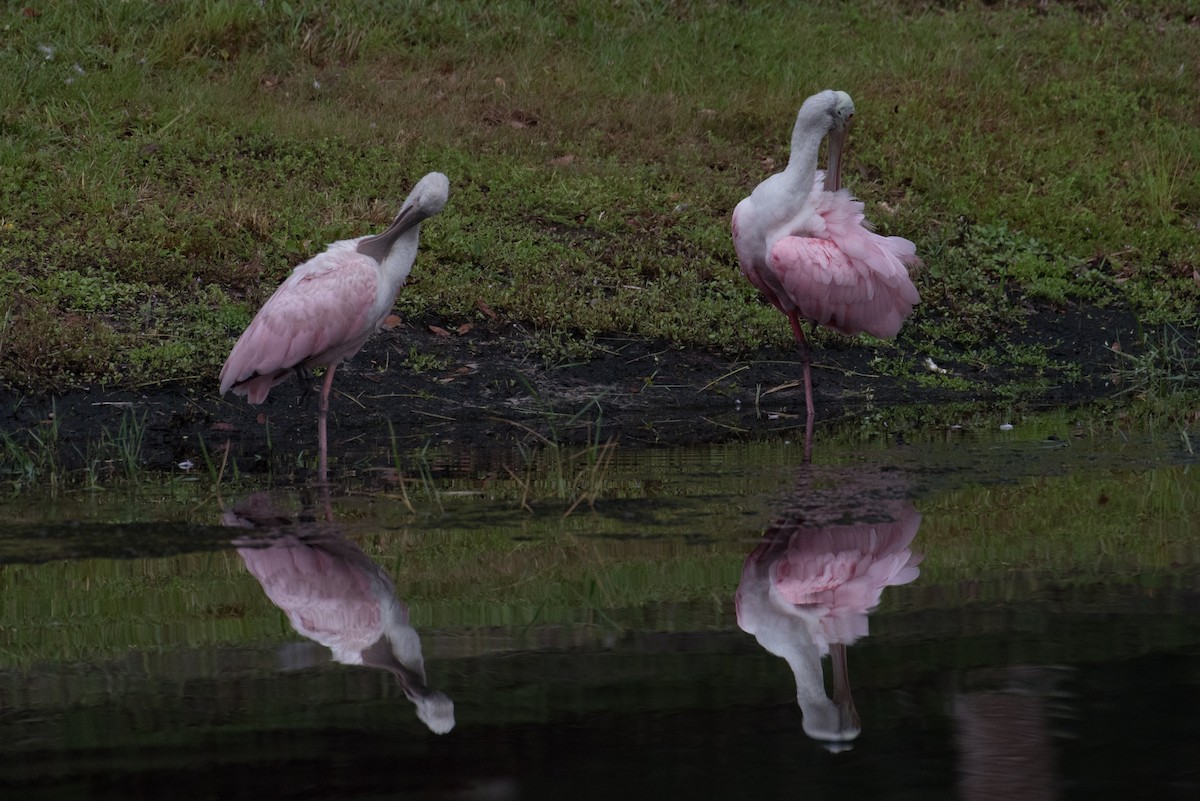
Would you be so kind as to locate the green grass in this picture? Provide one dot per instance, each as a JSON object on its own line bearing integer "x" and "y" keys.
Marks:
{"x": 36, "y": 458}
{"x": 1168, "y": 366}
{"x": 163, "y": 166}
{"x": 33, "y": 457}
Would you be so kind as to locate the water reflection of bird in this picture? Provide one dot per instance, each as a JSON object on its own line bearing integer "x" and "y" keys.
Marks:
{"x": 334, "y": 594}
{"x": 329, "y": 306}
{"x": 806, "y": 591}
{"x": 1005, "y": 733}
{"x": 804, "y": 242}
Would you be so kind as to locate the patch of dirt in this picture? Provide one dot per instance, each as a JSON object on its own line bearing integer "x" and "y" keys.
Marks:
{"x": 493, "y": 392}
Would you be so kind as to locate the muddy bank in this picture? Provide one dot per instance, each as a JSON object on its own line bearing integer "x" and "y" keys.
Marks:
{"x": 488, "y": 390}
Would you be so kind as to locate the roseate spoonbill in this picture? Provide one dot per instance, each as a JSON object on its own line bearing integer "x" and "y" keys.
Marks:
{"x": 330, "y": 305}
{"x": 334, "y": 594}
{"x": 807, "y": 588}
{"x": 804, "y": 242}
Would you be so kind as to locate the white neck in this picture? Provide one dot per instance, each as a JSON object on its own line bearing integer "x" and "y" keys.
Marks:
{"x": 787, "y": 630}
{"x": 398, "y": 263}
{"x": 806, "y": 144}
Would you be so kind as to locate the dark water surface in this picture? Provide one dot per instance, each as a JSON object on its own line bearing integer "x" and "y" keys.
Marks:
{"x": 1033, "y": 632}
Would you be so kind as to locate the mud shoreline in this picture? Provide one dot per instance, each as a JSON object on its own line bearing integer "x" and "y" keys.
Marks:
{"x": 493, "y": 392}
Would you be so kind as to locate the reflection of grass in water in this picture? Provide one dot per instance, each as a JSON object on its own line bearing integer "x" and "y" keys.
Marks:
{"x": 671, "y": 542}
{"x": 1075, "y": 527}
{"x": 464, "y": 579}
{"x": 670, "y": 526}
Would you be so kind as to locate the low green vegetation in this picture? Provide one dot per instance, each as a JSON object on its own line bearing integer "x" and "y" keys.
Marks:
{"x": 32, "y": 457}
{"x": 164, "y": 165}
{"x": 1169, "y": 365}
{"x": 36, "y": 456}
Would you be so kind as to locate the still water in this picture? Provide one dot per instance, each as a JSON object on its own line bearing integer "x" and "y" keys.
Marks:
{"x": 965, "y": 615}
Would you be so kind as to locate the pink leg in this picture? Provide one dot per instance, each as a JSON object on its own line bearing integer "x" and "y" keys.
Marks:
{"x": 323, "y": 413}
{"x": 805, "y": 359}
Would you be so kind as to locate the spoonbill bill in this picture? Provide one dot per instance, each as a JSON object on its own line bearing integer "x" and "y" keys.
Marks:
{"x": 805, "y": 243}
{"x": 329, "y": 306}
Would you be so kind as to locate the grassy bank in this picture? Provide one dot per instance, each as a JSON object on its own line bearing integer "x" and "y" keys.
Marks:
{"x": 163, "y": 166}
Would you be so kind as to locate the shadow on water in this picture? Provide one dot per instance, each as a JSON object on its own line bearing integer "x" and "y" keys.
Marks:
{"x": 703, "y": 634}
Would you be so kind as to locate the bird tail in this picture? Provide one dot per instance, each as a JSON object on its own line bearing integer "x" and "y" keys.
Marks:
{"x": 257, "y": 387}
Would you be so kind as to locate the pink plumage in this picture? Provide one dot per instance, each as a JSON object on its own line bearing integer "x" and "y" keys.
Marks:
{"x": 852, "y": 280}
{"x": 806, "y": 244}
{"x": 335, "y": 595}
{"x": 841, "y": 572}
{"x": 835, "y": 574}
{"x": 317, "y": 317}
{"x": 329, "y": 306}
{"x": 326, "y": 596}
{"x": 807, "y": 589}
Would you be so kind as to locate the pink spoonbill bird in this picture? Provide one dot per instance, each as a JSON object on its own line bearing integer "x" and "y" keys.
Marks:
{"x": 329, "y": 306}
{"x": 804, "y": 242}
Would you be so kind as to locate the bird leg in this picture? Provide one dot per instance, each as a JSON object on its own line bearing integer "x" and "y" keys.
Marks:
{"x": 322, "y": 415}
{"x": 305, "y": 376}
{"x": 805, "y": 360}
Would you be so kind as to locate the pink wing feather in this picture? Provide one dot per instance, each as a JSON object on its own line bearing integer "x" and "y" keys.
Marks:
{"x": 851, "y": 280}
{"x": 327, "y": 598}
{"x": 318, "y": 316}
{"x": 844, "y": 570}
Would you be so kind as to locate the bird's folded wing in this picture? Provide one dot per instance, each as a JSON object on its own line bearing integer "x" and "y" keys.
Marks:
{"x": 858, "y": 286}
{"x": 321, "y": 307}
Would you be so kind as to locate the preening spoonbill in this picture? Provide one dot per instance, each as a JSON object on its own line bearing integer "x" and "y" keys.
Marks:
{"x": 330, "y": 305}
{"x": 804, "y": 242}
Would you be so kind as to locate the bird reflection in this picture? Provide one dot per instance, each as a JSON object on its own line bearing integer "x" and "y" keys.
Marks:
{"x": 821, "y": 567}
{"x": 1005, "y": 732}
{"x": 334, "y": 594}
